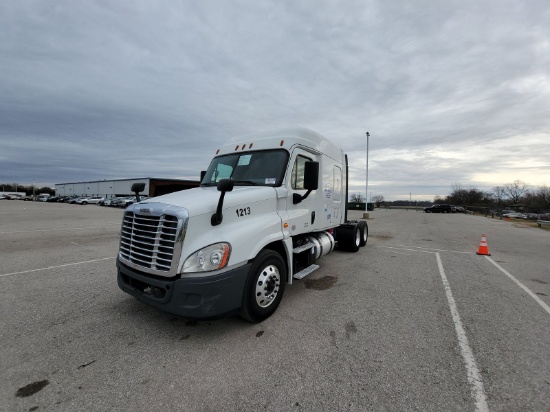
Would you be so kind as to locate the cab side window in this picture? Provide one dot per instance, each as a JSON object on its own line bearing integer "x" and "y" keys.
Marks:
{"x": 298, "y": 172}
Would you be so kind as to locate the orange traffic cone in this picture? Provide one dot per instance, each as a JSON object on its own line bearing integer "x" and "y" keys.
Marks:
{"x": 483, "y": 248}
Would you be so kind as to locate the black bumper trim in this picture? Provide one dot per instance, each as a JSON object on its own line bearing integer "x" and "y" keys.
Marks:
{"x": 198, "y": 298}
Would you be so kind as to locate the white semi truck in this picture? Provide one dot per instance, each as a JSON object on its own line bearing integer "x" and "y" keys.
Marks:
{"x": 268, "y": 207}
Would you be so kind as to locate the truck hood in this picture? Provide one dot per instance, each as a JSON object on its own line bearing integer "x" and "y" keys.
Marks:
{"x": 200, "y": 200}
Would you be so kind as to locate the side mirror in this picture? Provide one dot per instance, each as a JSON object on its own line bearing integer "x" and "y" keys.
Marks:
{"x": 311, "y": 175}
{"x": 224, "y": 185}
{"x": 136, "y": 188}
{"x": 203, "y": 173}
{"x": 311, "y": 181}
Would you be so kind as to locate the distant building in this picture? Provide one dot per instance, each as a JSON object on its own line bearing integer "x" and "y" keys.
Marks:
{"x": 122, "y": 187}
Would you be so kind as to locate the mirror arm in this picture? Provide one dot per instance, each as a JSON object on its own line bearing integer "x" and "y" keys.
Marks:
{"x": 297, "y": 198}
{"x": 224, "y": 185}
{"x": 217, "y": 217}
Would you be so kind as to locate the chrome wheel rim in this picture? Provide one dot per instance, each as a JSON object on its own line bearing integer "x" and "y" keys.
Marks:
{"x": 267, "y": 286}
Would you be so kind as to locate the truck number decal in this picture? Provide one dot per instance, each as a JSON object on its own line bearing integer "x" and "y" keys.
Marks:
{"x": 243, "y": 212}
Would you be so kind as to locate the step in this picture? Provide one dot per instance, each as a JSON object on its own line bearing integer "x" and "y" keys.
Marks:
{"x": 300, "y": 249}
{"x": 304, "y": 272}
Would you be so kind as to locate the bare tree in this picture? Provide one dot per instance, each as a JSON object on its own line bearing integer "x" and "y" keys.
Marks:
{"x": 515, "y": 191}
{"x": 357, "y": 198}
{"x": 499, "y": 194}
{"x": 458, "y": 195}
{"x": 543, "y": 195}
{"x": 538, "y": 200}
{"x": 378, "y": 199}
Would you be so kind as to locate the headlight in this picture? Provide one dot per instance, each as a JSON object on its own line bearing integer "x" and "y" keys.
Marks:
{"x": 211, "y": 257}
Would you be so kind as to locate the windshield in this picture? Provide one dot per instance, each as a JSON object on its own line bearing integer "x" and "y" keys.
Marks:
{"x": 261, "y": 168}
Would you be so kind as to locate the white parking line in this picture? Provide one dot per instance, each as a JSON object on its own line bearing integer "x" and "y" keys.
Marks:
{"x": 399, "y": 253}
{"x": 436, "y": 250}
{"x": 410, "y": 250}
{"x": 521, "y": 285}
{"x": 472, "y": 371}
{"x": 52, "y": 230}
{"x": 474, "y": 377}
{"x": 54, "y": 267}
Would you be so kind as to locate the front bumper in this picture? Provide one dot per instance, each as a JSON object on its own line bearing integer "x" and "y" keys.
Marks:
{"x": 205, "y": 297}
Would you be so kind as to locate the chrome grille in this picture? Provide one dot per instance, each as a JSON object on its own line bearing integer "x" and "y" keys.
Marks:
{"x": 148, "y": 240}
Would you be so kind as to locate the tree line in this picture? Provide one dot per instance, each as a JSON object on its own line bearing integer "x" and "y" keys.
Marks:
{"x": 15, "y": 187}
{"x": 517, "y": 194}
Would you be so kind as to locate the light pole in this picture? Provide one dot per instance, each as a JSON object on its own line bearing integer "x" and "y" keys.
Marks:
{"x": 32, "y": 189}
{"x": 367, "y": 172}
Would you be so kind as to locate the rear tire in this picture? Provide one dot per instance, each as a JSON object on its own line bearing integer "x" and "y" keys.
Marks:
{"x": 364, "y": 229}
{"x": 264, "y": 286}
{"x": 349, "y": 237}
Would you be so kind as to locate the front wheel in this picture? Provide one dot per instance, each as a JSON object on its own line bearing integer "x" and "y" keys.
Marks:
{"x": 264, "y": 286}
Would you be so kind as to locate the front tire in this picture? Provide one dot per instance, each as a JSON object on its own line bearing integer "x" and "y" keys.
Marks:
{"x": 264, "y": 286}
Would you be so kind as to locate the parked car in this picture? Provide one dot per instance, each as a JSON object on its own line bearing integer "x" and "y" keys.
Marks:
{"x": 53, "y": 199}
{"x": 69, "y": 199}
{"x": 439, "y": 208}
{"x": 128, "y": 200}
{"x": 90, "y": 199}
{"x": 113, "y": 202}
{"x": 12, "y": 196}
{"x": 515, "y": 215}
{"x": 125, "y": 201}
{"x": 73, "y": 200}
{"x": 460, "y": 209}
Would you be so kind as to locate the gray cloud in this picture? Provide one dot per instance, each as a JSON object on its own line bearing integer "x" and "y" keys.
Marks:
{"x": 107, "y": 89}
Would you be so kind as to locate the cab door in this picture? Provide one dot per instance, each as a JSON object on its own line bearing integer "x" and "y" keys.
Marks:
{"x": 301, "y": 216}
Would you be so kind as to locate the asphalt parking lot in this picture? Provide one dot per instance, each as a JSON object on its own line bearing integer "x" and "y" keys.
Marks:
{"x": 413, "y": 321}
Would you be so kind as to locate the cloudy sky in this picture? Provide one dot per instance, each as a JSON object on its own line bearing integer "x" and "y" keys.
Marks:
{"x": 452, "y": 92}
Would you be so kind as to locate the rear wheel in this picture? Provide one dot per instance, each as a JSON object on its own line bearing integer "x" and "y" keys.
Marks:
{"x": 364, "y": 229}
{"x": 264, "y": 287}
{"x": 349, "y": 237}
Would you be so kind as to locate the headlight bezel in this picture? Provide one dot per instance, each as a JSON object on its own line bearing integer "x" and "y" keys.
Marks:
{"x": 208, "y": 259}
